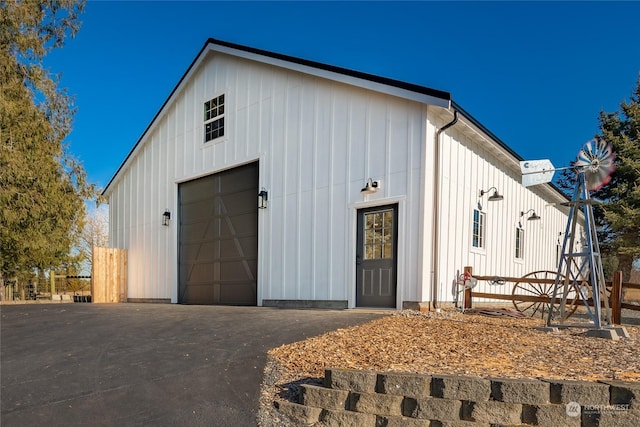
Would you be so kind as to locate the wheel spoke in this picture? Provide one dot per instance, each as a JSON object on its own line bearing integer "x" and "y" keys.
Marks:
{"x": 528, "y": 307}
{"x": 538, "y": 289}
{"x": 542, "y": 307}
{"x": 531, "y": 291}
{"x": 535, "y": 310}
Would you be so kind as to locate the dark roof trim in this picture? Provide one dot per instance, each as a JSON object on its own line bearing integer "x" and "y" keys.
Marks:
{"x": 345, "y": 71}
{"x": 446, "y": 96}
{"x": 480, "y": 126}
{"x": 500, "y": 142}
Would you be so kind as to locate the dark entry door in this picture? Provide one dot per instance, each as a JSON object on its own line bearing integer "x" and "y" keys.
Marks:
{"x": 218, "y": 251}
{"x": 376, "y": 264}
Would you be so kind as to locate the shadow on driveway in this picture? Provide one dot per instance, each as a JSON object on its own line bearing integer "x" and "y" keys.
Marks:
{"x": 144, "y": 364}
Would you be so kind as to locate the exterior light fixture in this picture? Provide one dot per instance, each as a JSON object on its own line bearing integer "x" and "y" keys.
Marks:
{"x": 370, "y": 187}
{"x": 494, "y": 197}
{"x": 166, "y": 217}
{"x": 263, "y": 197}
{"x": 532, "y": 217}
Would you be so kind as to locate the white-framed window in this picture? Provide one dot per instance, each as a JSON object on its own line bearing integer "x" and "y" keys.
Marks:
{"x": 214, "y": 118}
{"x": 479, "y": 220}
{"x": 519, "y": 243}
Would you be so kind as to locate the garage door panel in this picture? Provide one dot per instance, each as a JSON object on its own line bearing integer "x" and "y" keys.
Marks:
{"x": 196, "y": 191}
{"x": 218, "y": 234}
{"x": 197, "y": 213}
{"x": 235, "y": 226}
{"x": 237, "y": 270}
{"x": 200, "y": 294}
{"x": 202, "y": 273}
{"x": 244, "y": 201}
{"x": 237, "y": 248}
{"x": 238, "y": 293}
{"x": 240, "y": 179}
{"x": 200, "y": 252}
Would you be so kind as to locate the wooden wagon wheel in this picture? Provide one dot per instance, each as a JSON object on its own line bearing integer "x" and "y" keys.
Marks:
{"x": 524, "y": 294}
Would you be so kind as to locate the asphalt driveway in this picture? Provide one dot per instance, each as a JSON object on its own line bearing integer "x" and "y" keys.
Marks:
{"x": 144, "y": 364}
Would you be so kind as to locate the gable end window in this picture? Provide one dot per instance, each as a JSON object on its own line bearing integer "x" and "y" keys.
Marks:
{"x": 479, "y": 219}
{"x": 214, "y": 118}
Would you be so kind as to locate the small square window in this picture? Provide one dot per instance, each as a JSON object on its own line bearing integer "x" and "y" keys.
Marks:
{"x": 214, "y": 118}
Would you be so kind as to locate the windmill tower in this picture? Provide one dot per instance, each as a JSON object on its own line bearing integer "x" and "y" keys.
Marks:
{"x": 580, "y": 275}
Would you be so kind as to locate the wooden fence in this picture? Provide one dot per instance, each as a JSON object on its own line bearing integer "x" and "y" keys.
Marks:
{"x": 615, "y": 288}
{"x": 109, "y": 275}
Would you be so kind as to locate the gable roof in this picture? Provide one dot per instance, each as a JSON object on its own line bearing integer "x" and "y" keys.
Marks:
{"x": 398, "y": 88}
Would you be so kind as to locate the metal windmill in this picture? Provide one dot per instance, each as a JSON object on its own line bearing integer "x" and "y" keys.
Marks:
{"x": 580, "y": 273}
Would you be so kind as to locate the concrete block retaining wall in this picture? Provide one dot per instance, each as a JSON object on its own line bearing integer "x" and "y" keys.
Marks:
{"x": 366, "y": 398}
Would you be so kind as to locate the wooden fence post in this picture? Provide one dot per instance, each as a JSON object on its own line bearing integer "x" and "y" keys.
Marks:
{"x": 616, "y": 298}
{"x": 468, "y": 272}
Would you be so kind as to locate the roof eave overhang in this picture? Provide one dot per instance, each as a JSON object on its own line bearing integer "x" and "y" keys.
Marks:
{"x": 505, "y": 151}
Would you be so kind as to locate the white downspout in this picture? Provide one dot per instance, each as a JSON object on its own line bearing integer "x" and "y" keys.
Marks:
{"x": 436, "y": 206}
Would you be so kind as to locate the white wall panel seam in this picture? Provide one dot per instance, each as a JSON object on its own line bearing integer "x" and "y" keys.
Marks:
{"x": 247, "y": 143}
{"x": 283, "y": 248}
{"x": 349, "y": 240}
{"x": 330, "y": 242}
{"x": 314, "y": 185}
{"x": 424, "y": 257}
{"x": 298, "y": 192}
{"x": 153, "y": 237}
{"x": 271, "y": 160}
{"x": 234, "y": 108}
{"x": 367, "y": 139}
{"x": 408, "y": 236}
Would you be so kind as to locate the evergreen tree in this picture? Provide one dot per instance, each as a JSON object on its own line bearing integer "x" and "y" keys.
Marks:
{"x": 42, "y": 187}
{"x": 620, "y": 214}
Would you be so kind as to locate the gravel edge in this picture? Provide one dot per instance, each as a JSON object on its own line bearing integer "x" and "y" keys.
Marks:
{"x": 278, "y": 384}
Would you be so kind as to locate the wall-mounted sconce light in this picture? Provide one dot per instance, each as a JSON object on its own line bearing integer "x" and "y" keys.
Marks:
{"x": 166, "y": 217}
{"x": 494, "y": 197}
{"x": 263, "y": 197}
{"x": 532, "y": 217}
{"x": 370, "y": 187}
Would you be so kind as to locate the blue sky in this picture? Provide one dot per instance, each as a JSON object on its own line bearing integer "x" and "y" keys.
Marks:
{"x": 536, "y": 74}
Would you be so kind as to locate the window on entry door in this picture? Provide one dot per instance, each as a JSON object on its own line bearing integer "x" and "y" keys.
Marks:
{"x": 378, "y": 237}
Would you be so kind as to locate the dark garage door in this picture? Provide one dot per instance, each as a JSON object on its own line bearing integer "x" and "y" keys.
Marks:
{"x": 218, "y": 234}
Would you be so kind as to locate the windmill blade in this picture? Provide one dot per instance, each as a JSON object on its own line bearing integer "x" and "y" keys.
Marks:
{"x": 596, "y": 159}
{"x": 536, "y": 172}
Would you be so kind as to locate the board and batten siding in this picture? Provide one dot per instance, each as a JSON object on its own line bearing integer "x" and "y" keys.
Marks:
{"x": 316, "y": 141}
{"x": 470, "y": 164}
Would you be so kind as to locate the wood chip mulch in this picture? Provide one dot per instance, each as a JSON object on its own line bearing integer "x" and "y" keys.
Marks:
{"x": 466, "y": 344}
{"x": 448, "y": 342}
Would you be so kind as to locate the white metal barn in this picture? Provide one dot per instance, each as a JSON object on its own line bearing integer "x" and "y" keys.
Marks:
{"x": 274, "y": 181}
